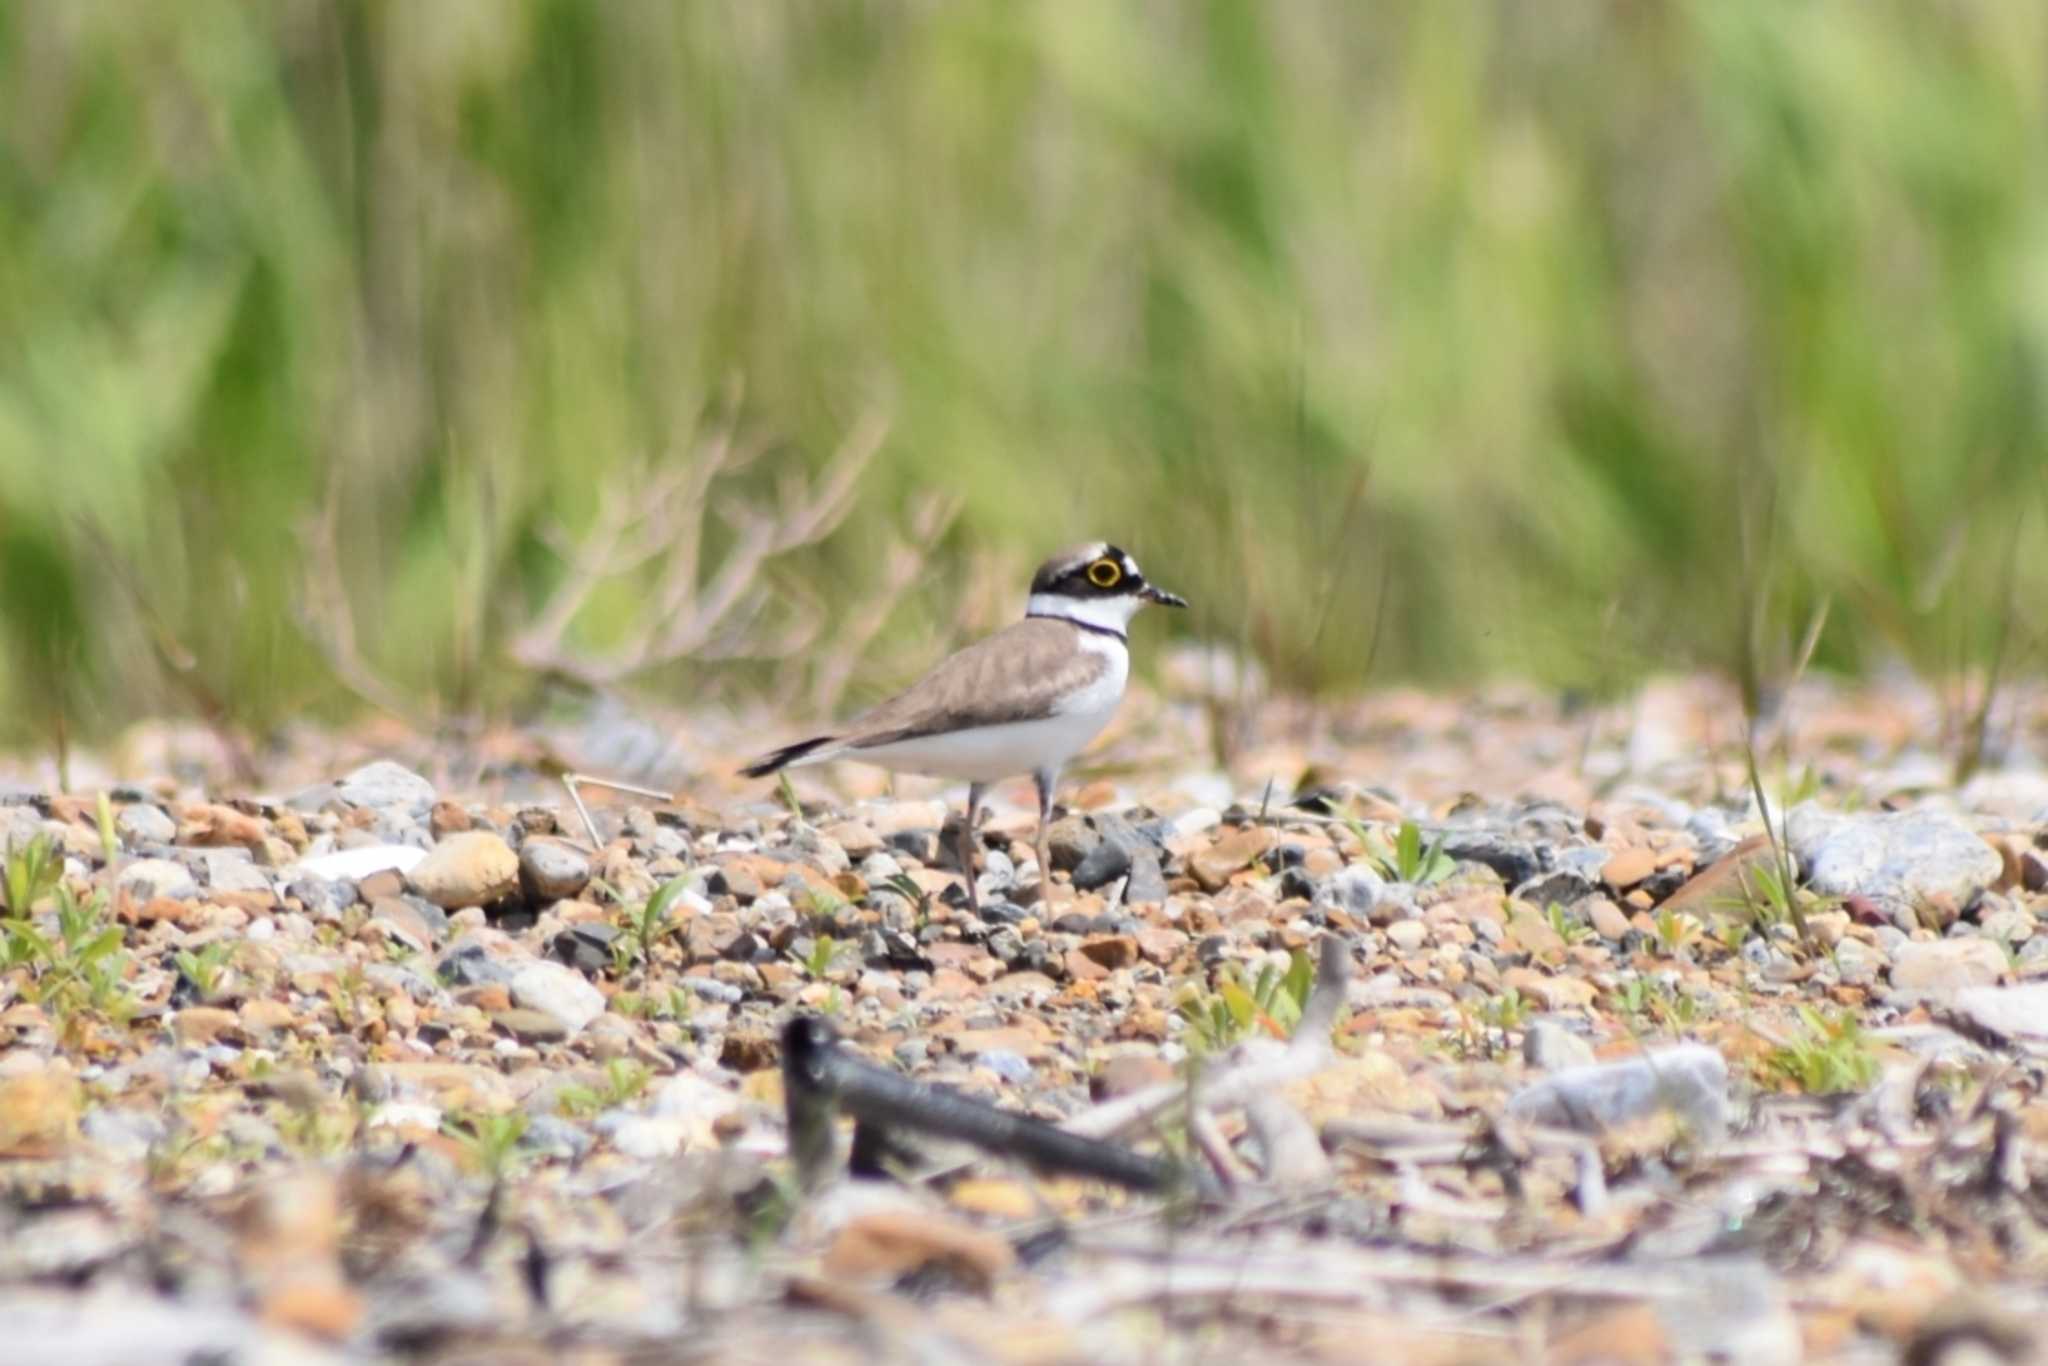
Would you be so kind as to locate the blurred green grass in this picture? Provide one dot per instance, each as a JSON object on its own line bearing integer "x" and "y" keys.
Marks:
{"x": 1409, "y": 340}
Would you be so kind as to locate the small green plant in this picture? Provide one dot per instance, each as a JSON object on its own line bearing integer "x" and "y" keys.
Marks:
{"x": 82, "y": 968}
{"x": 905, "y": 886}
{"x": 1509, "y": 1010}
{"x": 1569, "y": 930}
{"x": 787, "y": 790}
{"x": 1673, "y": 930}
{"x": 204, "y": 969}
{"x": 826, "y": 954}
{"x": 1407, "y": 859}
{"x": 625, "y": 1081}
{"x": 647, "y": 925}
{"x": 1641, "y": 998}
{"x": 110, "y": 842}
{"x": 820, "y": 903}
{"x": 1273, "y": 1002}
{"x": 33, "y": 871}
{"x": 490, "y": 1143}
{"x": 1829, "y": 1056}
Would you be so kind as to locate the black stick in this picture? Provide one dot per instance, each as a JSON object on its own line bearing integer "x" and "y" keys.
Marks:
{"x": 818, "y": 1077}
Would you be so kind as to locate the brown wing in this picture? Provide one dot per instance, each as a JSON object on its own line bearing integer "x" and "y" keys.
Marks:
{"x": 1017, "y": 674}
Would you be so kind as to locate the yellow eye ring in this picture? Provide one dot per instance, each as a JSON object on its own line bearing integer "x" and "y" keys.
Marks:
{"x": 1105, "y": 573}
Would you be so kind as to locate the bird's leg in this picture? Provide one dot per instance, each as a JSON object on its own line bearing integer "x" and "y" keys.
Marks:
{"x": 1046, "y": 779}
{"x": 975, "y": 792}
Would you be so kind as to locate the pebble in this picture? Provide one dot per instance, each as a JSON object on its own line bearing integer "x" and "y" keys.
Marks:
{"x": 552, "y": 870}
{"x": 387, "y": 786}
{"x": 1688, "y": 1080}
{"x": 1552, "y": 1048}
{"x": 1946, "y": 966}
{"x": 558, "y": 991}
{"x": 2019, "y": 1012}
{"x": 149, "y": 878}
{"x": 144, "y": 824}
{"x": 1899, "y": 860}
{"x": 353, "y": 865}
{"x": 473, "y": 868}
{"x": 1102, "y": 865}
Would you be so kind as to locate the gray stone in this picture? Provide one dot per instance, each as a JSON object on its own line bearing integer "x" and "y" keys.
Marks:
{"x": 2019, "y": 1012}
{"x": 232, "y": 870}
{"x": 558, "y": 991}
{"x": 144, "y": 823}
{"x": 1008, "y": 1065}
{"x": 324, "y": 899}
{"x": 468, "y": 962}
{"x": 1355, "y": 890}
{"x": 1552, "y": 1048}
{"x": 1516, "y": 860}
{"x": 554, "y": 1136}
{"x": 1897, "y": 859}
{"x": 1946, "y": 966}
{"x": 1147, "y": 883}
{"x": 154, "y": 877}
{"x": 387, "y": 786}
{"x": 552, "y": 869}
{"x": 1102, "y": 865}
{"x": 1689, "y": 1080}
{"x": 1407, "y": 935}
{"x": 125, "y": 1134}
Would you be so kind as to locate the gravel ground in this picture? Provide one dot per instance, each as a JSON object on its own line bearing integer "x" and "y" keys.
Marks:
{"x": 391, "y": 1066}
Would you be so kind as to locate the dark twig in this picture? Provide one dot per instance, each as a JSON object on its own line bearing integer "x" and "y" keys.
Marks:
{"x": 820, "y": 1077}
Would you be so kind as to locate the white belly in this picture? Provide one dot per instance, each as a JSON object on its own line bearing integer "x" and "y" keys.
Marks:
{"x": 987, "y": 753}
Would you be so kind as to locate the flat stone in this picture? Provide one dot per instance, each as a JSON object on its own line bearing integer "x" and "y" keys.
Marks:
{"x": 531, "y": 1026}
{"x": 558, "y": 991}
{"x": 1607, "y": 920}
{"x": 474, "y": 868}
{"x": 1102, "y": 865}
{"x": 1113, "y": 951}
{"x": 1946, "y": 966}
{"x": 1236, "y": 851}
{"x": 2019, "y": 1012}
{"x": 148, "y": 878}
{"x": 1900, "y": 860}
{"x": 144, "y": 823}
{"x": 1689, "y": 1080}
{"x": 198, "y": 1025}
{"x": 1553, "y": 1048}
{"x": 387, "y": 786}
{"x": 1626, "y": 867}
{"x": 552, "y": 870}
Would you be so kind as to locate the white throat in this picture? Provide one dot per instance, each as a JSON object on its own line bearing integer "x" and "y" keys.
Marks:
{"x": 1104, "y": 614}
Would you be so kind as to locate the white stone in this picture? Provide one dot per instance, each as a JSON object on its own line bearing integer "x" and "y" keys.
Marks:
{"x": 559, "y": 991}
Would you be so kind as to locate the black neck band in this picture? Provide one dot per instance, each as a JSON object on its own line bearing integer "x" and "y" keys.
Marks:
{"x": 1079, "y": 624}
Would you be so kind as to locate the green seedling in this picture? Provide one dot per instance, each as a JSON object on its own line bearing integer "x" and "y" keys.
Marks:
{"x": 1509, "y": 1010}
{"x": 826, "y": 954}
{"x": 1272, "y": 1002}
{"x": 647, "y": 925}
{"x": 1569, "y": 930}
{"x": 81, "y": 968}
{"x": 625, "y": 1081}
{"x": 110, "y": 842}
{"x": 905, "y": 886}
{"x": 1673, "y": 931}
{"x": 1407, "y": 859}
{"x": 490, "y": 1143}
{"x": 204, "y": 969}
{"x": 33, "y": 872}
{"x": 1829, "y": 1056}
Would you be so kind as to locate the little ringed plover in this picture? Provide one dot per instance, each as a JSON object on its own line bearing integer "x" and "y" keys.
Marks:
{"x": 1024, "y": 700}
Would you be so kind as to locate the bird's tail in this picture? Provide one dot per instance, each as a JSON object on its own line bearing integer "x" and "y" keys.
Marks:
{"x": 782, "y": 758}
